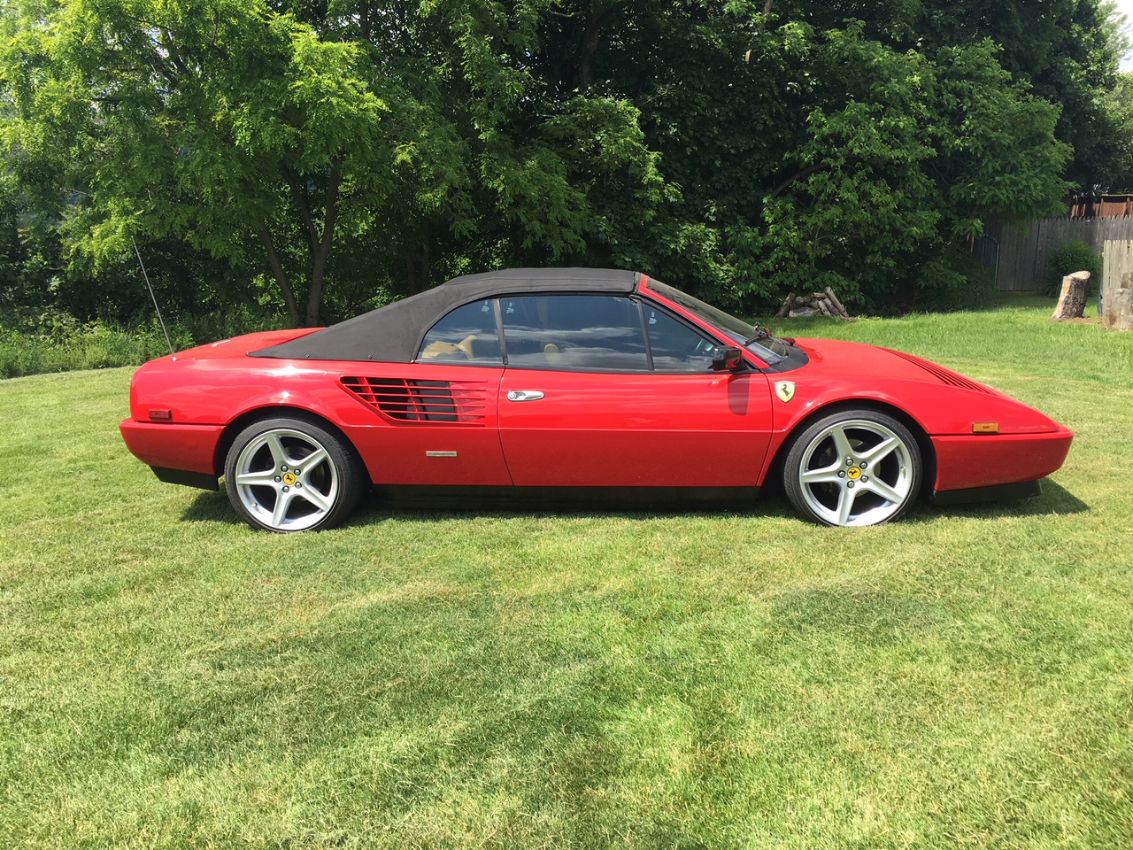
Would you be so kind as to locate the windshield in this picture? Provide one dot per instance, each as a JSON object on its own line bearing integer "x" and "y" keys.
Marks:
{"x": 757, "y": 339}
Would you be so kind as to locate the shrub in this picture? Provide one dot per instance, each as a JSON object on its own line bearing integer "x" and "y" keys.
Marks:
{"x": 59, "y": 343}
{"x": 1072, "y": 257}
{"x": 83, "y": 346}
{"x": 55, "y": 341}
{"x": 954, "y": 281}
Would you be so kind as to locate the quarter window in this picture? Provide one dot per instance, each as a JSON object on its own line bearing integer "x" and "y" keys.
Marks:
{"x": 466, "y": 335}
{"x": 577, "y": 332}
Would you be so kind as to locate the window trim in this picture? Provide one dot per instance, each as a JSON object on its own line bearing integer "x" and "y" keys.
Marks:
{"x": 744, "y": 367}
{"x": 498, "y": 312}
{"x": 629, "y": 296}
{"x": 644, "y": 333}
{"x": 495, "y": 364}
{"x": 640, "y": 300}
{"x": 752, "y": 359}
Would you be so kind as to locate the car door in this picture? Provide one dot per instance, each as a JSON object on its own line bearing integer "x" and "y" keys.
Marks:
{"x": 606, "y": 390}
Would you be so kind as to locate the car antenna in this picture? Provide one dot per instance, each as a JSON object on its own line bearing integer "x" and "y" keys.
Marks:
{"x": 149, "y": 286}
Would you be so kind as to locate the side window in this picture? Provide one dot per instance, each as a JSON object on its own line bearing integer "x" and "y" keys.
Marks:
{"x": 582, "y": 332}
{"x": 466, "y": 335}
{"x": 676, "y": 347}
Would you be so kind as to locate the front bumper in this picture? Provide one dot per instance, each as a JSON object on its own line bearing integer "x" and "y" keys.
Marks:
{"x": 989, "y": 460}
{"x": 170, "y": 446}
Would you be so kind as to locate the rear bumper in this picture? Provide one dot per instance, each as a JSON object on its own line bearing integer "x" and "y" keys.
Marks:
{"x": 968, "y": 462}
{"x": 168, "y": 446}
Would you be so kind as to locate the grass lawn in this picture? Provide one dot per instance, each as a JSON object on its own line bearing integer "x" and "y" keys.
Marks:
{"x": 708, "y": 679}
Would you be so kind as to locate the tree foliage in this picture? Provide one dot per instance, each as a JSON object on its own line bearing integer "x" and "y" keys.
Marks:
{"x": 1070, "y": 257}
{"x": 335, "y": 152}
{"x": 1119, "y": 105}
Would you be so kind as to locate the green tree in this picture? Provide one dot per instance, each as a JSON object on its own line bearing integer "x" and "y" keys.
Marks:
{"x": 1067, "y": 51}
{"x": 1119, "y": 105}
{"x": 919, "y": 155}
{"x": 807, "y": 157}
{"x": 213, "y": 122}
{"x": 226, "y": 124}
{"x": 354, "y": 150}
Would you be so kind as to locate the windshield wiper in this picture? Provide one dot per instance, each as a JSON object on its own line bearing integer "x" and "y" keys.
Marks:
{"x": 760, "y": 333}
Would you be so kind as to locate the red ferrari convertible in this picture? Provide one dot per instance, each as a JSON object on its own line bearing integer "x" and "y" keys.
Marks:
{"x": 575, "y": 378}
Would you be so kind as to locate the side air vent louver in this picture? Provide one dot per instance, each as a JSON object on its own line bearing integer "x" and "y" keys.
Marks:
{"x": 405, "y": 400}
{"x": 946, "y": 376}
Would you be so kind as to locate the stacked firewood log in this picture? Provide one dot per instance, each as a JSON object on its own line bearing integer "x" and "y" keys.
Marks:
{"x": 823, "y": 303}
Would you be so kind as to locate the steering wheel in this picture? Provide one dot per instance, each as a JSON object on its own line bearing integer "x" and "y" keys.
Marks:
{"x": 704, "y": 347}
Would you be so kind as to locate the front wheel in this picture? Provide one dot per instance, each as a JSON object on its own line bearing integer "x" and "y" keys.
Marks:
{"x": 291, "y": 475}
{"x": 853, "y": 468}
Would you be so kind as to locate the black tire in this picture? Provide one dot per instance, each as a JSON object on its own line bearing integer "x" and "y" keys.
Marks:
{"x": 264, "y": 470}
{"x": 871, "y": 480}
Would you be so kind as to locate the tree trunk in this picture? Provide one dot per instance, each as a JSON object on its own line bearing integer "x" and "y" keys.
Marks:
{"x": 419, "y": 265}
{"x": 590, "y": 41}
{"x": 319, "y": 243}
{"x": 1072, "y": 300}
{"x": 280, "y": 275}
{"x": 365, "y": 26}
{"x": 320, "y": 250}
{"x": 1117, "y": 314}
{"x": 599, "y": 16}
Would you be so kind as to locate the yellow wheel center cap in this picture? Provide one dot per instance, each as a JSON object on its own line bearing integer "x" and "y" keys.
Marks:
{"x": 854, "y": 473}
{"x": 289, "y": 479}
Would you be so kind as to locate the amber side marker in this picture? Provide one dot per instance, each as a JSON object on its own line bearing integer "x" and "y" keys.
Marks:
{"x": 985, "y": 427}
{"x": 161, "y": 415}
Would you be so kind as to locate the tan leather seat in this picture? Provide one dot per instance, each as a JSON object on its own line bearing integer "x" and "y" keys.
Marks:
{"x": 441, "y": 348}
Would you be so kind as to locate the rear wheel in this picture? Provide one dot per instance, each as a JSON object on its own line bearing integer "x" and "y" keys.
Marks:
{"x": 292, "y": 475}
{"x": 853, "y": 468}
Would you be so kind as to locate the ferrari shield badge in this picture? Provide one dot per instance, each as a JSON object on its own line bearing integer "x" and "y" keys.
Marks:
{"x": 785, "y": 390}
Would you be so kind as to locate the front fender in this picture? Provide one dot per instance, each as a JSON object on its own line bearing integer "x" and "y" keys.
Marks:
{"x": 936, "y": 409}
{"x": 810, "y": 401}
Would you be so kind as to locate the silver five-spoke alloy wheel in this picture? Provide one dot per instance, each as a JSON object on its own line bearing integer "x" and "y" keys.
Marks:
{"x": 286, "y": 480}
{"x": 292, "y": 475}
{"x": 861, "y": 468}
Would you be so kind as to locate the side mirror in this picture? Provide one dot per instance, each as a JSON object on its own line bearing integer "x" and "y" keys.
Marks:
{"x": 727, "y": 359}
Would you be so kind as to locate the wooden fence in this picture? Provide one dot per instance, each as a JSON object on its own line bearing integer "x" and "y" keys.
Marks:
{"x": 1118, "y": 259}
{"x": 1019, "y": 252}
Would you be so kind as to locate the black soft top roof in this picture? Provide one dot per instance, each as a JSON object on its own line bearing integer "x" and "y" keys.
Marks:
{"x": 393, "y": 333}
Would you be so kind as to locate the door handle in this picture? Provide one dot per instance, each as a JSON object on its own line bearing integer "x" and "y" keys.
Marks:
{"x": 524, "y": 395}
